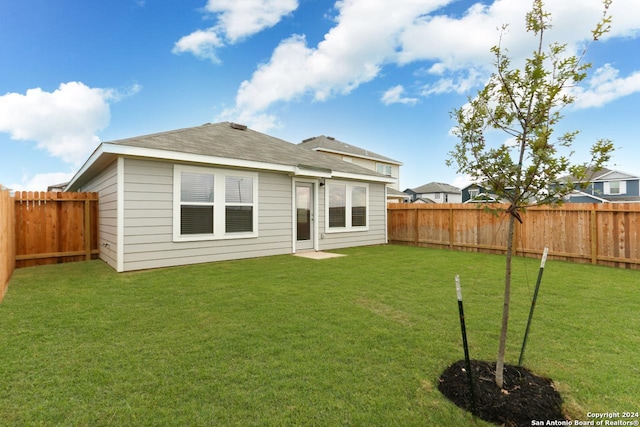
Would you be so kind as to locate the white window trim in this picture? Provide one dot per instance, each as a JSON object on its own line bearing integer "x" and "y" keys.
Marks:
{"x": 348, "y": 227}
{"x": 384, "y": 168}
{"x": 219, "y": 204}
{"x": 623, "y": 188}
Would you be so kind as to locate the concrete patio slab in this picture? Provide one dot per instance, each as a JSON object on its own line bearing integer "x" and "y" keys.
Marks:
{"x": 317, "y": 255}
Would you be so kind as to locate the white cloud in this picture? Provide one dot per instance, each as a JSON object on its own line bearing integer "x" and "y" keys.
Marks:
{"x": 605, "y": 86}
{"x": 240, "y": 19}
{"x": 461, "y": 181}
{"x": 41, "y": 181}
{"x": 353, "y": 52}
{"x": 236, "y": 20}
{"x": 63, "y": 122}
{"x": 202, "y": 44}
{"x": 394, "y": 96}
{"x": 458, "y": 83}
{"x": 369, "y": 35}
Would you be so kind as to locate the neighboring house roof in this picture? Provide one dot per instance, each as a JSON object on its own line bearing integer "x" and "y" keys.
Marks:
{"x": 57, "y": 187}
{"x": 602, "y": 174}
{"x": 226, "y": 144}
{"x": 436, "y": 187}
{"x": 423, "y": 200}
{"x": 396, "y": 193}
{"x": 586, "y": 196}
{"x": 332, "y": 145}
{"x": 484, "y": 198}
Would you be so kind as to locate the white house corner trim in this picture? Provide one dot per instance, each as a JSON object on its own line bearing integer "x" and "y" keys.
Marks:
{"x": 120, "y": 214}
{"x": 386, "y": 216}
{"x": 293, "y": 215}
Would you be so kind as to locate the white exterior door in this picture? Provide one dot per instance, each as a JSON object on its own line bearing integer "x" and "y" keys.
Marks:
{"x": 304, "y": 216}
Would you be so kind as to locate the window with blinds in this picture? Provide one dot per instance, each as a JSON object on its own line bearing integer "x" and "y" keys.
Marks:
{"x": 238, "y": 204}
{"x": 337, "y": 206}
{"x": 358, "y": 206}
{"x": 214, "y": 203}
{"x": 196, "y": 203}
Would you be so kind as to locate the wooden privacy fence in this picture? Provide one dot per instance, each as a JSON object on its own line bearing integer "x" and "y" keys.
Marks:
{"x": 607, "y": 234}
{"x": 7, "y": 240}
{"x": 55, "y": 227}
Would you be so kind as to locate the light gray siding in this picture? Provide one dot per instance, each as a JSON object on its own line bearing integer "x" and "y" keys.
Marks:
{"x": 377, "y": 223}
{"x": 148, "y": 217}
{"x": 104, "y": 183}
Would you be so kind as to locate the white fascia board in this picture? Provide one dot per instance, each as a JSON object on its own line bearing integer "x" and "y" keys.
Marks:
{"x": 90, "y": 161}
{"x": 360, "y": 177}
{"x": 621, "y": 176}
{"x": 591, "y": 196}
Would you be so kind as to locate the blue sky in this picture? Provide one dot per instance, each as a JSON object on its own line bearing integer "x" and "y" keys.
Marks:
{"x": 377, "y": 74}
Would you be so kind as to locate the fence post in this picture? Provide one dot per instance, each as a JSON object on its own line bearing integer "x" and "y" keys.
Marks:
{"x": 451, "y": 233}
{"x": 87, "y": 229}
{"x": 416, "y": 238}
{"x": 7, "y": 240}
{"x": 594, "y": 235}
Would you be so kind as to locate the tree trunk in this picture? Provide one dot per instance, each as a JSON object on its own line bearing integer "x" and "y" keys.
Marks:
{"x": 505, "y": 307}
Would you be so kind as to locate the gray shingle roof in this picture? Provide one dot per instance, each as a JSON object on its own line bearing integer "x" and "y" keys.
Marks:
{"x": 232, "y": 141}
{"x": 436, "y": 187}
{"x": 331, "y": 144}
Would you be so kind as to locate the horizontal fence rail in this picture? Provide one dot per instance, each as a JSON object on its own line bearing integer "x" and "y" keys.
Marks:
{"x": 606, "y": 234}
{"x": 55, "y": 227}
{"x": 7, "y": 240}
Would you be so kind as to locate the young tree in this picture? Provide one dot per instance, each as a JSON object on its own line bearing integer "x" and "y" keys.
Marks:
{"x": 526, "y": 104}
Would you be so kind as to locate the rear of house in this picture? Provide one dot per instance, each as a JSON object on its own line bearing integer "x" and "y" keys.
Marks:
{"x": 222, "y": 191}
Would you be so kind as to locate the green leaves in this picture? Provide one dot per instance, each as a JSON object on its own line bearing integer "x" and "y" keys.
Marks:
{"x": 525, "y": 105}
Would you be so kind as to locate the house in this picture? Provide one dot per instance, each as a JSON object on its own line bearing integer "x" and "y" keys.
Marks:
{"x": 435, "y": 192}
{"x": 57, "y": 188}
{"x": 607, "y": 186}
{"x": 358, "y": 156}
{"x": 223, "y": 191}
{"x": 395, "y": 196}
{"x": 478, "y": 193}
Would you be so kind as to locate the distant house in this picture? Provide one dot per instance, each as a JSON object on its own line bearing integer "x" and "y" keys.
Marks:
{"x": 223, "y": 191}
{"x": 57, "y": 188}
{"x": 435, "y": 192}
{"x": 395, "y": 196}
{"x": 357, "y": 156}
{"x": 607, "y": 186}
{"x": 478, "y": 193}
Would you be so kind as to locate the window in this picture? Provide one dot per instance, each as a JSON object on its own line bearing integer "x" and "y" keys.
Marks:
{"x": 383, "y": 169}
{"x": 337, "y": 206}
{"x": 239, "y": 204}
{"x": 213, "y": 204}
{"x": 615, "y": 187}
{"x": 473, "y": 193}
{"x": 347, "y": 207}
{"x": 196, "y": 204}
{"x": 358, "y": 206}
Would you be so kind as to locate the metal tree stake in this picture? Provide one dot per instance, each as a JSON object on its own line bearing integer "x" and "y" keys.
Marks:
{"x": 533, "y": 304}
{"x": 464, "y": 342}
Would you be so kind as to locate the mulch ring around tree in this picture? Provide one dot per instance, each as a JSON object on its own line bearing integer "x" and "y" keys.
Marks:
{"x": 525, "y": 396}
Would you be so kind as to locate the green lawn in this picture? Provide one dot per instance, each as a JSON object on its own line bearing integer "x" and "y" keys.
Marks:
{"x": 358, "y": 340}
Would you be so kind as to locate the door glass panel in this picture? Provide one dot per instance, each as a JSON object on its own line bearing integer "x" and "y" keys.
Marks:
{"x": 303, "y": 213}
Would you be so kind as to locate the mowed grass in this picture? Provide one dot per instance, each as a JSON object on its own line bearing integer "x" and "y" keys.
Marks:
{"x": 358, "y": 340}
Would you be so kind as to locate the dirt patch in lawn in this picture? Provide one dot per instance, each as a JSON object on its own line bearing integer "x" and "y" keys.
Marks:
{"x": 524, "y": 398}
